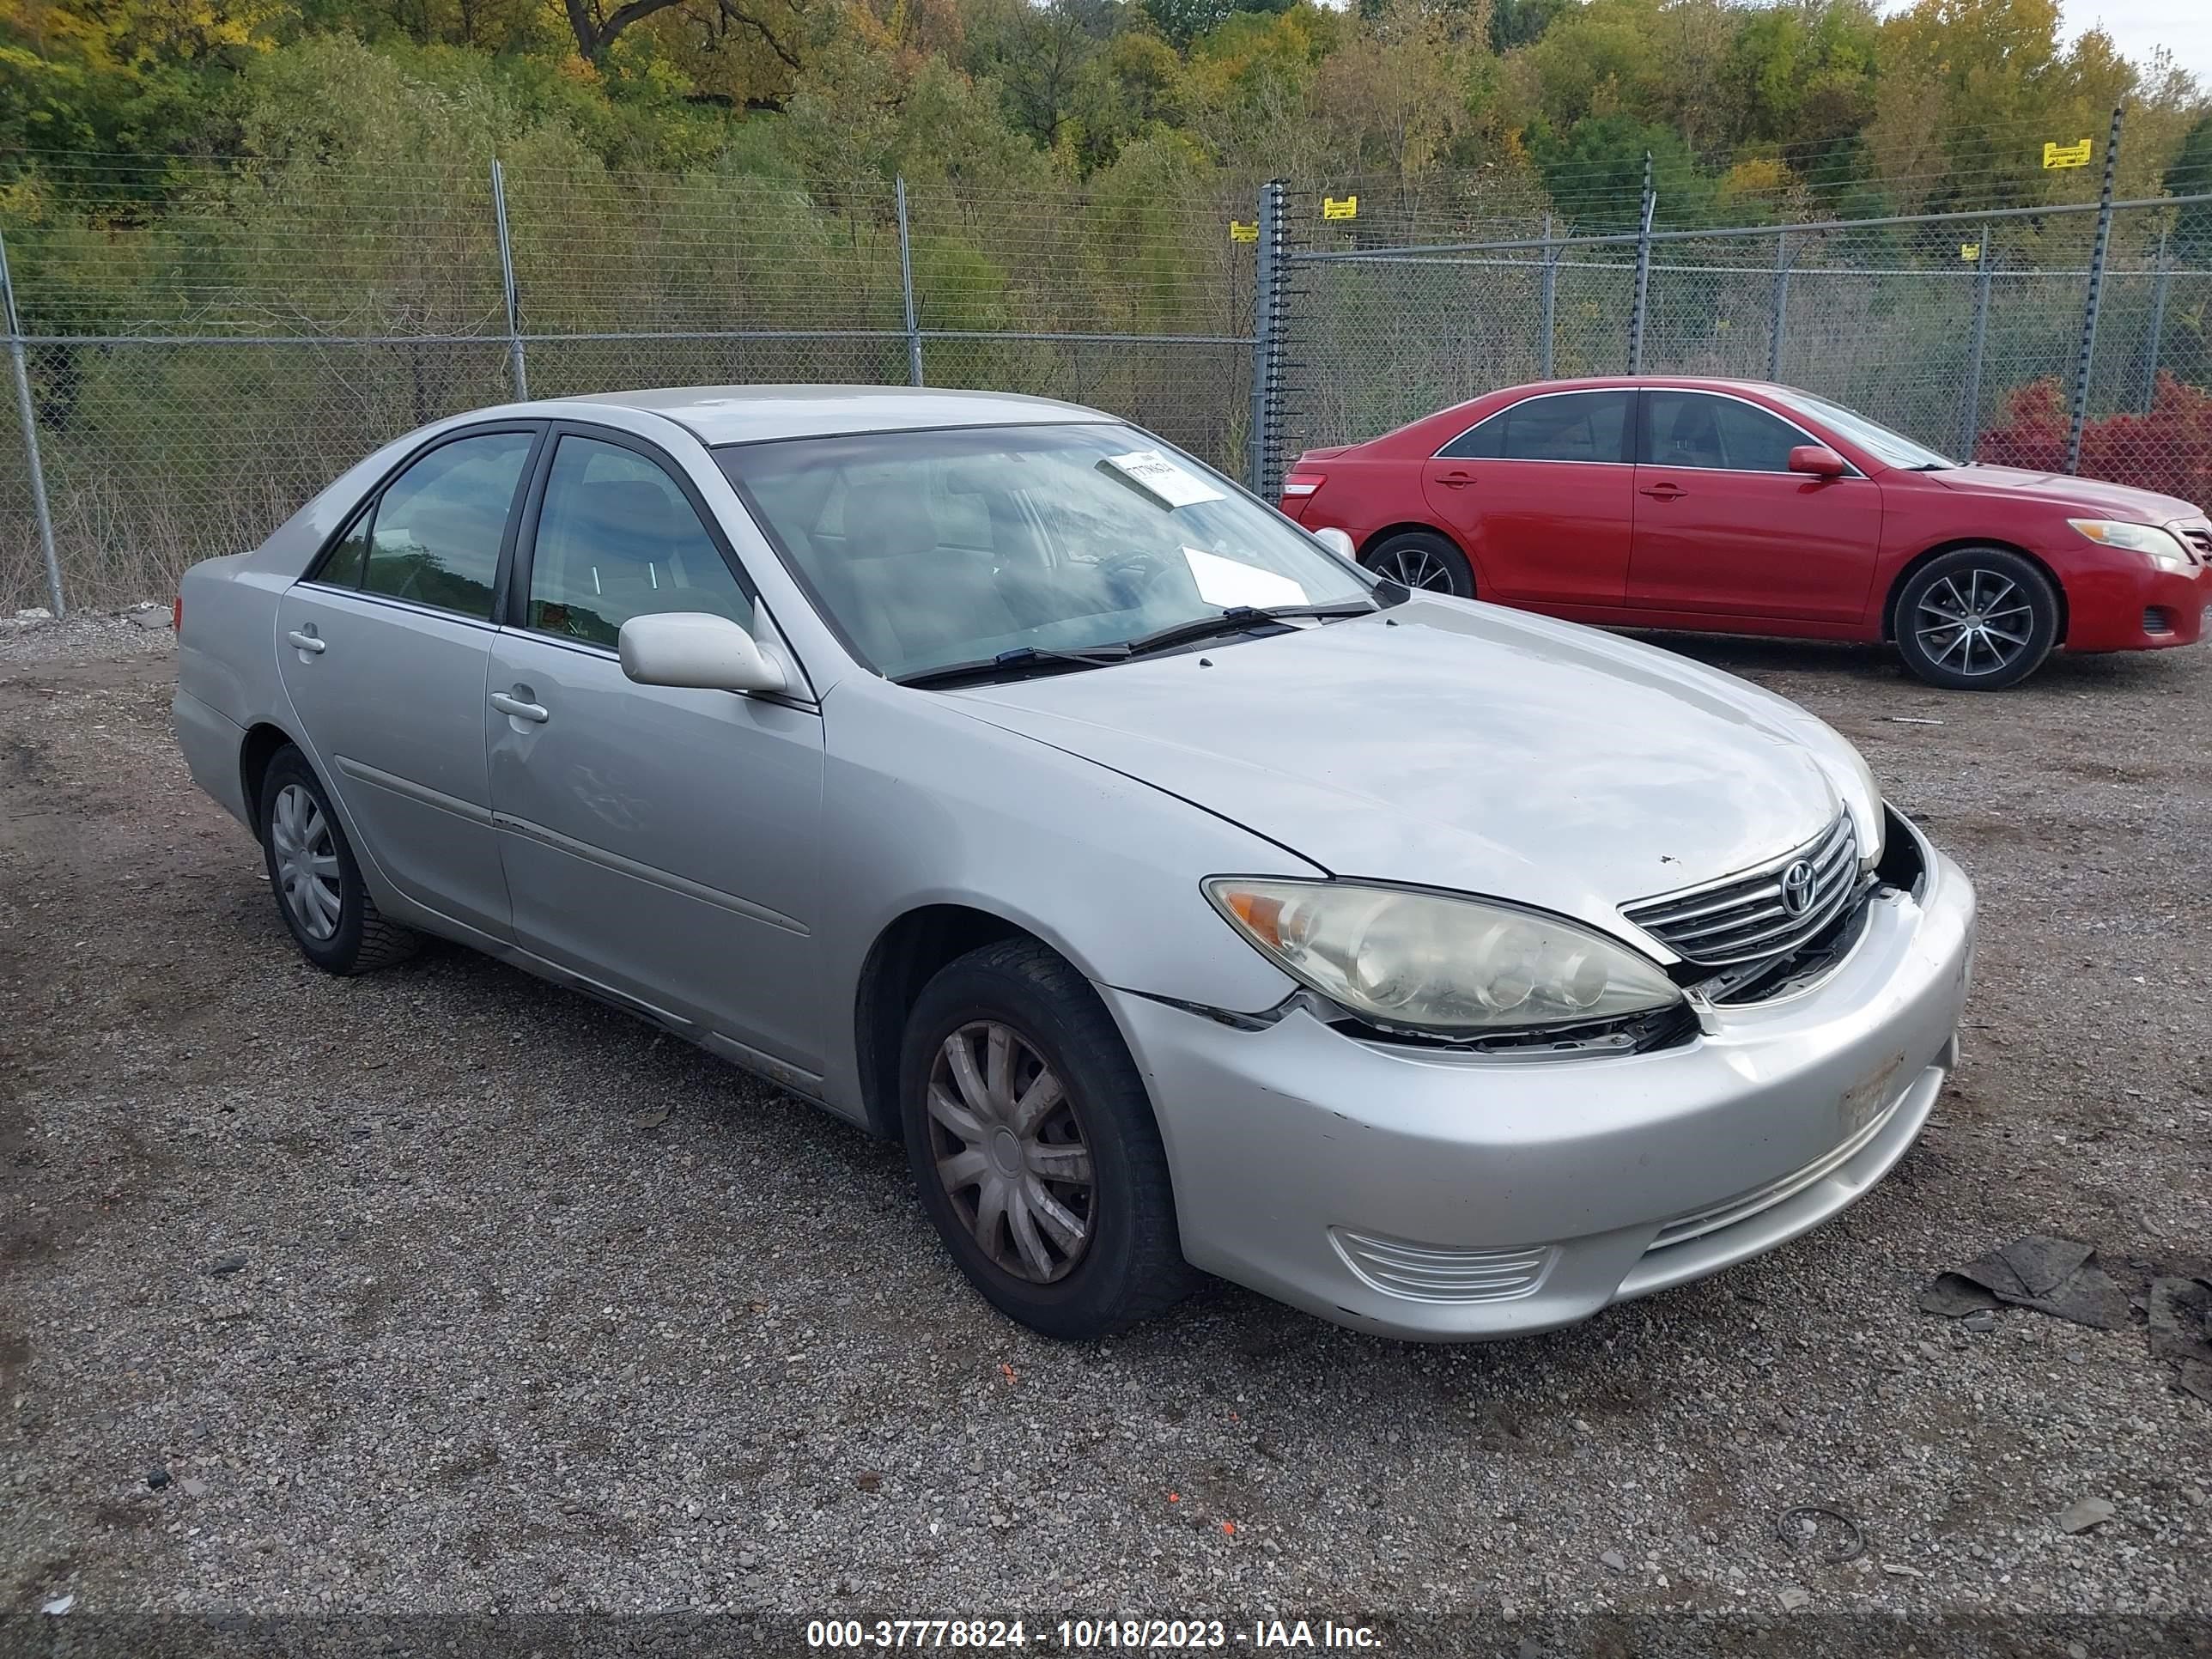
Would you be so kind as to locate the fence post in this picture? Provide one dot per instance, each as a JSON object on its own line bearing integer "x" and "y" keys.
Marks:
{"x": 1268, "y": 294}
{"x": 22, "y": 371}
{"x": 1969, "y": 406}
{"x": 1642, "y": 273}
{"x": 515, "y": 369}
{"x": 906, "y": 284}
{"x": 2097, "y": 255}
{"x": 1780, "y": 304}
{"x": 2160, "y": 284}
{"x": 1551, "y": 295}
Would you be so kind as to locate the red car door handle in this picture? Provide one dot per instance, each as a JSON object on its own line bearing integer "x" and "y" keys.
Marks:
{"x": 1456, "y": 480}
{"x": 1666, "y": 492}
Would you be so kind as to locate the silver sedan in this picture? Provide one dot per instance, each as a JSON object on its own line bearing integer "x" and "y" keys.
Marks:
{"x": 1184, "y": 897}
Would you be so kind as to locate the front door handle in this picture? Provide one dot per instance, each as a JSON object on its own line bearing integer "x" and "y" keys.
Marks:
{"x": 519, "y": 709}
{"x": 307, "y": 643}
{"x": 1666, "y": 492}
{"x": 1456, "y": 480}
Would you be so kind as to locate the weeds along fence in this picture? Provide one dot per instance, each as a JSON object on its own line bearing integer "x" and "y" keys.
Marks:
{"x": 193, "y": 371}
{"x": 193, "y": 349}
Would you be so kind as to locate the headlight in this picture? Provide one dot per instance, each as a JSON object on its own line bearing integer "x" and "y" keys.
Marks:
{"x": 2165, "y": 549}
{"x": 1432, "y": 963}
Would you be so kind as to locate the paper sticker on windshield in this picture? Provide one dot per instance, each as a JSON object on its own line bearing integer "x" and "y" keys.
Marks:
{"x": 1162, "y": 479}
{"x": 1225, "y": 583}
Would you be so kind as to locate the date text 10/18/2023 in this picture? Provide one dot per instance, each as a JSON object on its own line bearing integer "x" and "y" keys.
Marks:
{"x": 1090, "y": 1635}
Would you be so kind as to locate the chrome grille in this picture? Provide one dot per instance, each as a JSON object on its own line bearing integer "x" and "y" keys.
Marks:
{"x": 1748, "y": 917}
{"x": 1430, "y": 1272}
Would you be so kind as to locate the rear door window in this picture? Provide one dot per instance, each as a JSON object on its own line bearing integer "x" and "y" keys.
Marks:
{"x": 437, "y": 532}
{"x": 1577, "y": 426}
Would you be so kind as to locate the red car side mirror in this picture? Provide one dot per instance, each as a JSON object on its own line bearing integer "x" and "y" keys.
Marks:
{"x": 1818, "y": 459}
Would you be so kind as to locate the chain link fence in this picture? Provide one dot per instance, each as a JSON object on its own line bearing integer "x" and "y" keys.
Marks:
{"x": 205, "y": 346}
{"x": 1967, "y": 331}
{"x": 201, "y": 346}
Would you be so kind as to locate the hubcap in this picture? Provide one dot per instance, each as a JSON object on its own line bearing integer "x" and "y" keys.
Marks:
{"x": 1010, "y": 1153}
{"x": 1977, "y": 629}
{"x": 306, "y": 861}
{"x": 1415, "y": 566}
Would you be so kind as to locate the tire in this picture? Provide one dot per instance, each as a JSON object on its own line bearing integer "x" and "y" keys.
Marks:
{"x": 1423, "y": 559}
{"x": 1128, "y": 1264}
{"x": 2011, "y": 598}
{"x": 359, "y": 940}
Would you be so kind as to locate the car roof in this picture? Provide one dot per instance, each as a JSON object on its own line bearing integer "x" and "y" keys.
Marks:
{"x": 718, "y": 415}
{"x": 1621, "y": 382}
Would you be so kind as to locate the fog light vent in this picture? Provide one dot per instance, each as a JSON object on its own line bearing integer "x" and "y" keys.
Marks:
{"x": 2156, "y": 621}
{"x": 1428, "y": 1272}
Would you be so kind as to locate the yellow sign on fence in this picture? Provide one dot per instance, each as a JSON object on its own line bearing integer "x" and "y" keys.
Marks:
{"x": 1971, "y": 251}
{"x": 2066, "y": 155}
{"x": 1345, "y": 207}
{"x": 1239, "y": 233}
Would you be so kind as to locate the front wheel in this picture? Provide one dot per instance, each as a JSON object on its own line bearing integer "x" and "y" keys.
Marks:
{"x": 1976, "y": 619}
{"x": 1032, "y": 1141}
{"x": 1420, "y": 558}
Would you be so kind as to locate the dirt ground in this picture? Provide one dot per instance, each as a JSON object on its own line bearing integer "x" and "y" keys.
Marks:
{"x": 443, "y": 1290}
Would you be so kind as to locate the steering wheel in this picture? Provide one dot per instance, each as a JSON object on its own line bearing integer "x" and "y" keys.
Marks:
{"x": 1128, "y": 575}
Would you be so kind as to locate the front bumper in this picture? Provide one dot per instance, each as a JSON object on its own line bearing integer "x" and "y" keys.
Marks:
{"x": 1416, "y": 1192}
{"x": 2129, "y": 604}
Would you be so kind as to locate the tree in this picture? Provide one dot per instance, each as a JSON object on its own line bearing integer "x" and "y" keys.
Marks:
{"x": 1183, "y": 20}
{"x": 1521, "y": 23}
{"x": 1595, "y": 173}
{"x": 776, "y": 24}
{"x": 124, "y": 74}
{"x": 1393, "y": 95}
{"x": 2192, "y": 175}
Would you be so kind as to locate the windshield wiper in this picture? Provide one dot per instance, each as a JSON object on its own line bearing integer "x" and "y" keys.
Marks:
{"x": 1022, "y": 660}
{"x": 1239, "y": 619}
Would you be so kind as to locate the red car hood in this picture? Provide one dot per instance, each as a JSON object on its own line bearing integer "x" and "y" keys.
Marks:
{"x": 2086, "y": 494}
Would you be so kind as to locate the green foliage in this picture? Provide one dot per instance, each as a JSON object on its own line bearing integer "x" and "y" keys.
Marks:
{"x": 1521, "y": 23}
{"x": 1599, "y": 164}
{"x": 1183, "y": 20}
{"x": 1750, "y": 110}
{"x": 2191, "y": 174}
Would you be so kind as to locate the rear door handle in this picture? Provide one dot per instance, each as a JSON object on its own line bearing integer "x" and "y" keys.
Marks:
{"x": 519, "y": 709}
{"x": 1456, "y": 480}
{"x": 307, "y": 643}
{"x": 1666, "y": 492}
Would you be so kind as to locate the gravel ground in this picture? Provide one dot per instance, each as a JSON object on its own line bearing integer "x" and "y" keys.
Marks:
{"x": 444, "y": 1290}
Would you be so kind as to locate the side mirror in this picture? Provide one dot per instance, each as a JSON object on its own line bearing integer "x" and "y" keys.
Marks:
{"x": 1337, "y": 542}
{"x": 1818, "y": 459}
{"x": 694, "y": 649}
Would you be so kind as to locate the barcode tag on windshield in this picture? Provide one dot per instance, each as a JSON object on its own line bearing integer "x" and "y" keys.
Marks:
{"x": 1162, "y": 479}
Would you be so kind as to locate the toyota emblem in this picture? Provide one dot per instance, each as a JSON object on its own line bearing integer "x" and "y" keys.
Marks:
{"x": 1797, "y": 888}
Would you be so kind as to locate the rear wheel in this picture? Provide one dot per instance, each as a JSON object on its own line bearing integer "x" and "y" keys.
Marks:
{"x": 1421, "y": 558}
{"x": 1032, "y": 1141}
{"x": 319, "y": 889}
{"x": 1976, "y": 619}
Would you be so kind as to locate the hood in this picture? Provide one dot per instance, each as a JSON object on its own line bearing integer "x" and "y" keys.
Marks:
{"x": 1452, "y": 745}
{"x": 2081, "y": 494}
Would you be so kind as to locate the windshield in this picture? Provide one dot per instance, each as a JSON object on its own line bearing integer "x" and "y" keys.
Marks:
{"x": 1892, "y": 448}
{"x": 930, "y": 548}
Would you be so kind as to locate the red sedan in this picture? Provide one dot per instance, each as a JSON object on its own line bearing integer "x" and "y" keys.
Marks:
{"x": 1735, "y": 506}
